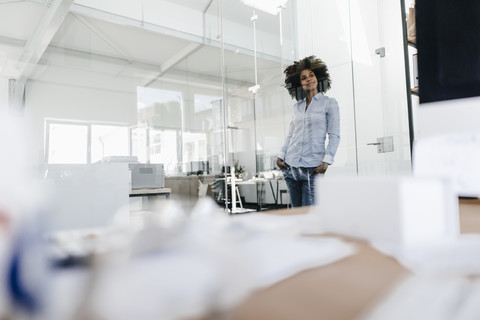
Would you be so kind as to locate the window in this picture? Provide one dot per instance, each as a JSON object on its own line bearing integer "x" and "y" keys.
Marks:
{"x": 67, "y": 143}
{"x": 159, "y": 109}
{"x": 160, "y": 112}
{"x": 139, "y": 144}
{"x": 108, "y": 140}
{"x": 163, "y": 149}
{"x": 79, "y": 143}
{"x": 195, "y": 146}
{"x": 176, "y": 131}
{"x": 203, "y": 102}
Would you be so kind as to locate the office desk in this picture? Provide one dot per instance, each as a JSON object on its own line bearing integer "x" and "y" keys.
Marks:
{"x": 151, "y": 192}
{"x": 275, "y": 192}
{"x": 261, "y": 182}
{"x": 343, "y": 290}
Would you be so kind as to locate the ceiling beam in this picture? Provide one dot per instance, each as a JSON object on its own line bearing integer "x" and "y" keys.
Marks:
{"x": 127, "y": 21}
{"x": 155, "y": 28}
{"x": 173, "y": 60}
{"x": 137, "y": 64}
{"x": 36, "y": 46}
{"x": 44, "y": 33}
{"x": 145, "y": 66}
{"x": 103, "y": 36}
{"x": 207, "y": 7}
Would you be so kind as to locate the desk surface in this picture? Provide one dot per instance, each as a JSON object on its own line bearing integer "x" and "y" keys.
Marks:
{"x": 343, "y": 290}
{"x": 150, "y": 191}
{"x": 253, "y": 181}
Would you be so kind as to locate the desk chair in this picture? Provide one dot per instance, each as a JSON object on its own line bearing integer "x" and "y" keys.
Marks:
{"x": 219, "y": 188}
{"x": 202, "y": 189}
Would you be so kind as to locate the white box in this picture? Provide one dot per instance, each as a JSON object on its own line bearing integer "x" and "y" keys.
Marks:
{"x": 83, "y": 196}
{"x": 401, "y": 210}
{"x": 454, "y": 156}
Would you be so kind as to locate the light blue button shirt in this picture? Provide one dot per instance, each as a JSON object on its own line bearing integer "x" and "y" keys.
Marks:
{"x": 305, "y": 143}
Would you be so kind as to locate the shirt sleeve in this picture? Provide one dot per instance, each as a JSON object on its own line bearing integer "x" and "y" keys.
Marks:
{"x": 283, "y": 151}
{"x": 333, "y": 131}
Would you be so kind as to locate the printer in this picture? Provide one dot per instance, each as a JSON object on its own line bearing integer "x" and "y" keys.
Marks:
{"x": 147, "y": 175}
{"x": 143, "y": 175}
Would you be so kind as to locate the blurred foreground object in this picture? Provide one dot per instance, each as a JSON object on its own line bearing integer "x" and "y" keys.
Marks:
{"x": 173, "y": 264}
{"x": 19, "y": 200}
{"x": 413, "y": 219}
{"x": 393, "y": 210}
{"x": 459, "y": 164}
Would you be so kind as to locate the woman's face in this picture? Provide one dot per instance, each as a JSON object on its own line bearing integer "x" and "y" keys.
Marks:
{"x": 308, "y": 80}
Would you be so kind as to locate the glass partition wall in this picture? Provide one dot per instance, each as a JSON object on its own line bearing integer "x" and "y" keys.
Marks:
{"x": 258, "y": 121}
{"x": 198, "y": 87}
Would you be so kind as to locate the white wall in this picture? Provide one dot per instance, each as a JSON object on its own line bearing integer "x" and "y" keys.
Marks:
{"x": 59, "y": 101}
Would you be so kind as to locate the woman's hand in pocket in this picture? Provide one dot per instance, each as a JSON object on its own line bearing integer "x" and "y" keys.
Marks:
{"x": 321, "y": 169}
{"x": 281, "y": 164}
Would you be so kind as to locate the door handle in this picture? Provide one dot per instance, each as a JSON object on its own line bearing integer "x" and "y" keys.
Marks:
{"x": 380, "y": 52}
{"x": 384, "y": 144}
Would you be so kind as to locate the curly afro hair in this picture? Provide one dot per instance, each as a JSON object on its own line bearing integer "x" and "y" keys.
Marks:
{"x": 292, "y": 76}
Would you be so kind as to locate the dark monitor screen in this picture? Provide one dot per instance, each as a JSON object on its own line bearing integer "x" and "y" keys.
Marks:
{"x": 199, "y": 167}
{"x": 448, "y": 43}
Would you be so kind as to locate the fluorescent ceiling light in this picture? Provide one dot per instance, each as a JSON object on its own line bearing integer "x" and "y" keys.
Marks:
{"x": 269, "y": 6}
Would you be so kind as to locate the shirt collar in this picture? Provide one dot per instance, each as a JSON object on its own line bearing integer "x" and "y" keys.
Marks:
{"x": 318, "y": 96}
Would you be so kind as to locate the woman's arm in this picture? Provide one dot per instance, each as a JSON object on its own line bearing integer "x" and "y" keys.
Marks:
{"x": 333, "y": 131}
{"x": 284, "y": 149}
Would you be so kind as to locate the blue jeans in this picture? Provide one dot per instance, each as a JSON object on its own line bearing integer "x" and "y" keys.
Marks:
{"x": 301, "y": 185}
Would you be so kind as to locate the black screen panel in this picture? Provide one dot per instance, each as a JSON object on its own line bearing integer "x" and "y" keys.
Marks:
{"x": 448, "y": 42}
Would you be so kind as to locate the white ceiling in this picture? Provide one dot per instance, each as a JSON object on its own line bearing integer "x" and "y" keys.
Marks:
{"x": 122, "y": 50}
{"x": 233, "y": 10}
{"x": 198, "y": 5}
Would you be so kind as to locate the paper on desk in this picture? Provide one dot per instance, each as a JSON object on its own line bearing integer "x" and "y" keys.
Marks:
{"x": 218, "y": 264}
{"x": 174, "y": 285}
{"x": 295, "y": 224}
{"x": 450, "y": 257}
{"x": 426, "y": 298}
{"x": 273, "y": 250}
{"x": 280, "y": 251}
{"x": 280, "y": 258}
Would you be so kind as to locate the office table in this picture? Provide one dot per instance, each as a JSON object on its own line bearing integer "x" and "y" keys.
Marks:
{"x": 275, "y": 192}
{"x": 145, "y": 193}
{"x": 261, "y": 181}
{"x": 343, "y": 290}
{"x": 151, "y": 192}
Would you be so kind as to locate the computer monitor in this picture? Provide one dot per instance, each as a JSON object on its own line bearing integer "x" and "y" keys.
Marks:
{"x": 199, "y": 167}
{"x": 448, "y": 43}
{"x": 448, "y": 131}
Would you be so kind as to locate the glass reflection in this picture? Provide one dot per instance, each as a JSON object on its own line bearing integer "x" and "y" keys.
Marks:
{"x": 106, "y": 58}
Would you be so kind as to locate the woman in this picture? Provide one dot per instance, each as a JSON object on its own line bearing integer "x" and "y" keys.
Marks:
{"x": 304, "y": 154}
